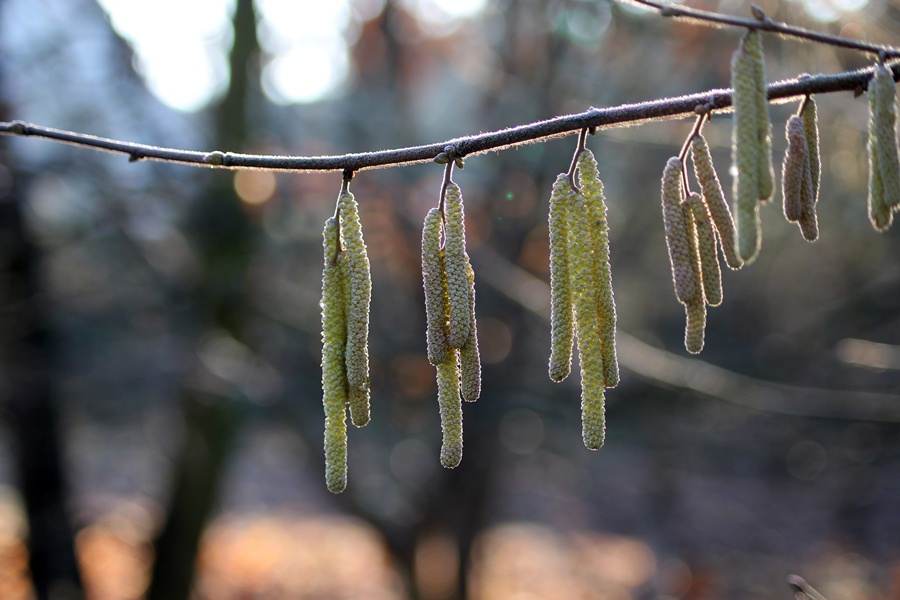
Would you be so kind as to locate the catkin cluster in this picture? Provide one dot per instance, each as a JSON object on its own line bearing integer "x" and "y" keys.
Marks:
{"x": 346, "y": 293}
{"x": 884, "y": 165}
{"x": 582, "y": 302}
{"x": 451, "y": 330}
{"x": 751, "y": 143}
{"x": 801, "y": 171}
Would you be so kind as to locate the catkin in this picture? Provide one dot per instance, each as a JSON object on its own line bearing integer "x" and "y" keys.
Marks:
{"x": 592, "y": 191}
{"x": 714, "y": 198}
{"x": 746, "y": 149}
{"x": 796, "y": 179}
{"x": 811, "y": 128}
{"x": 334, "y": 379}
{"x": 711, "y": 273}
{"x": 455, "y": 266}
{"x": 879, "y": 209}
{"x": 358, "y": 294}
{"x": 469, "y": 356}
{"x": 562, "y": 324}
{"x": 695, "y": 327}
{"x": 435, "y": 283}
{"x": 885, "y": 125}
{"x": 766, "y": 168}
{"x": 450, "y": 409}
{"x": 678, "y": 235}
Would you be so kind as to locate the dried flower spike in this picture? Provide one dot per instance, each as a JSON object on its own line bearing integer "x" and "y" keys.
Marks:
{"x": 592, "y": 191}
{"x": 334, "y": 379}
{"x": 469, "y": 356}
{"x": 358, "y": 294}
{"x": 455, "y": 266}
{"x": 434, "y": 280}
{"x": 714, "y": 198}
{"x": 710, "y": 272}
{"x": 679, "y": 237}
{"x": 450, "y": 409}
{"x": 562, "y": 323}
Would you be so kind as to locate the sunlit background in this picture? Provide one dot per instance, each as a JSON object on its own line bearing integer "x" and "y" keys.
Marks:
{"x": 162, "y": 322}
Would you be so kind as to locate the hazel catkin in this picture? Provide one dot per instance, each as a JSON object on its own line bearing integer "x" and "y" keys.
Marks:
{"x": 455, "y": 266}
{"x": 710, "y": 272}
{"x": 884, "y": 127}
{"x": 334, "y": 379}
{"x": 434, "y": 280}
{"x": 562, "y": 323}
{"x": 714, "y": 198}
{"x": 695, "y": 326}
{"x": 810, "y": 117}
{"x": 358, "y": 294}
{"x": 679, "y": 239}
{"x": 469, "y": 356}
{"x": 450, "y": 410}
{"x": 796, "y": 178}
{"x": 595, "y": 202}
{"x": 766, "y": 169}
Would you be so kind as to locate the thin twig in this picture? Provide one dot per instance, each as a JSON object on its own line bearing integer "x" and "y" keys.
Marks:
{"x": 679, "y": 11}
{"x": 601, "y": 118}
{"x": 800, "y": 587}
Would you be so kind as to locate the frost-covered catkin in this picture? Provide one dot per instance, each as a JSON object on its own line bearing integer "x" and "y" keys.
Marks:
{"x": 695, "y": 328}
{"x": 334, "y": 380}
{"x": 678, "y": 236}
{"x": 796, "y": 178}
{"x": 766, "y": 168}
{"x": 358, "y": 295}
{"x": 714, "y": 198}
{"x": 435, "y": 283}
{"x": 450, "y": 409}
{"x": 746, "y": 150}
{"x": 885, "y": 126}
{"x": 810, "y": 118}
{"x": 469, "y": 356}
{"x": 562, "y": 320}
{"x": 455, "y": 266}
{"x": 592, "y": 190}
{"x": 711, "y": 273}
{"x": 587, "y": 325}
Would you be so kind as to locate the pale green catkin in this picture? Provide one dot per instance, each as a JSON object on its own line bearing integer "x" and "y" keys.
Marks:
{"x": 469, "y": 356}
{"x": 334, "y": 379}
{"x": 796, "y": 179}
{"x": 810, "y": 118}
{"x": 711, "y": 273}
{"x": 714, "y": 198}
{"x": 562, "y": 323}
{"x": 678, "y": 237}
{"x": 885, "y": 122}
{"x": 450, "y": 409}
{"x": 695, "y": 327}
{"x": 592, "y": 191}
{"x": 455, "y": 266}
{"x": 434, "y": 280}
{"x": 746, "y": 150}
{"x": 358, "y": 295}
{"x": 766, "y": 167}
{"x": 879, "y": 210}
{"x": 587, "y": 324}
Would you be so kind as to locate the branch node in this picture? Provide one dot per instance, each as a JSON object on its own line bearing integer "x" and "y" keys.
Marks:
{"x": 18, "y": 127}
{"x": 215, "y": 158}
{"x": 670, "y": 11}
{"x": 442, "y": 159}
{"x": 758, "y": 13}
{"x": 134, "y": 157}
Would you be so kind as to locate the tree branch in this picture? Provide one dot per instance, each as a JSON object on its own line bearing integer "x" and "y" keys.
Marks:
{"x": 599, "y": 118}
{"x": 763, "y": 23}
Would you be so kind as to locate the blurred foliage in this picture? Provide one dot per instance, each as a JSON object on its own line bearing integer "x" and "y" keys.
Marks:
{"x": 694, "y": 496}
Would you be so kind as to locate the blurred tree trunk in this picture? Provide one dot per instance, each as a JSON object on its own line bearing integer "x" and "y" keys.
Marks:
{"x": 27, "y": 355}
{"x": 224, "y": 236}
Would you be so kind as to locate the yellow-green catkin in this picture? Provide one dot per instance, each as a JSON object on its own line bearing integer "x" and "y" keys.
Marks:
{"x": 587, "y": 324}
{"x": 885, "y": 123}
{"x": 334, "y": 378}
{"x": 766, "y": 167}
{"x": 695, "y": 327}
{"x": 679, "y": 237}
{"x": 455, "y": 266}
{"x": 746, "y": 149}
{"x": 796, "y": 179}
{"x": 879, "y": 210}
{"x": 562, "y": 320}
{"x": 469, "y": 356}
{"x": 358, "y": 295}
{"x": 435, "y": 283}
{"x": 711, "y": 273}
{"x": 714, "y": 198}
{"x": 592, "y": 191}
{"x": 450, "y": 409}
{"x": 810, "y": 117}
